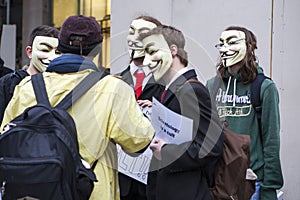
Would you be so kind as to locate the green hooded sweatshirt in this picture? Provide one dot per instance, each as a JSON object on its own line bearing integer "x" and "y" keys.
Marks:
{"x": 233, "y": 100}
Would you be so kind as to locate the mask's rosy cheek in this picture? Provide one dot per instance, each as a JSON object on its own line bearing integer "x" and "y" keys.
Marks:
{"x": 235, "y": 48}
{"x": 44, "y": 56}
{"x": 40, "y": 55}
{"x": 157, "y": 56}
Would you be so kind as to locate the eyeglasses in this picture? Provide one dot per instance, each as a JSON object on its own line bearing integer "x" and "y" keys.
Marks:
{"x": 220, "y": 45}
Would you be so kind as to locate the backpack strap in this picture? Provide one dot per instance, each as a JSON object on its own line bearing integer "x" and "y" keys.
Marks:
{"x": 40, "y": 89}
{"x": 41, "y": 92}
{"x": 195, "y": 81}
{"x": 255, "y": 93}
{"x": 80, "y": 89}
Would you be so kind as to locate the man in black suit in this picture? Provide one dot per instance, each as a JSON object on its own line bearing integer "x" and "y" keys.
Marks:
{"x": 183, "y": 171}
{"x": 145, "y": 87}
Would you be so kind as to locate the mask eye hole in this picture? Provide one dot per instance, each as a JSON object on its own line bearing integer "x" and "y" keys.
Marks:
{"x": 220, "y": 45}
{"x": 150, "y": 51}
{"x": 232, "y": 42}
{"x": 45, "y": 50}
{"x": 235, "y": 41}
{"x": 131, "y": 31}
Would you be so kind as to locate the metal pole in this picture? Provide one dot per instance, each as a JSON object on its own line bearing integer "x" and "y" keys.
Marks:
{"x": 91, "y": 9}
{"x": 50, "y": 13}
{"x": 7, "y": 11}
{"x": 78, "y": 7}
{"x": 271, "y": 42}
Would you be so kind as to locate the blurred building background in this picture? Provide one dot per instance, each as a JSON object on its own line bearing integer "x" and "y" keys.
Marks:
{"x": 27, "y": 14}
{"x": 275, "y": 23}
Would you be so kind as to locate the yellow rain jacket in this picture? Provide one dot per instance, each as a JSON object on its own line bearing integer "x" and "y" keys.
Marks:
{"x": 104, "y": 116}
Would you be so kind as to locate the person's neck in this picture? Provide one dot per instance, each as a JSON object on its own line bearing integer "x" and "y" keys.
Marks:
{"x": 175, "y": 67}
{"x": 234, "y": 69}
{"x": 31, "y": 70}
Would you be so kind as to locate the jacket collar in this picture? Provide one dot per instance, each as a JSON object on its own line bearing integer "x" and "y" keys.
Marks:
{"x": 68, "y": 63}
{"x": 174, "y": 87}
{"x": 126, "y": 76}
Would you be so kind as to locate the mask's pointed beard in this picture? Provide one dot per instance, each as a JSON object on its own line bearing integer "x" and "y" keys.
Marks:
{"x": 225, "y": 62}
{"x": 132, "y": 54}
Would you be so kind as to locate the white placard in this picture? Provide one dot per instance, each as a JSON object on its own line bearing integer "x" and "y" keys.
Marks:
{"x": 170, "y": 126}
{"x": 134, "y": 167}
{"x": 147, "y": 111}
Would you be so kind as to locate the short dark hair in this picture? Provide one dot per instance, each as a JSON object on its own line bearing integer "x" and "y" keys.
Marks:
{"x": 43, "y": 30}
{"x": 150, "y": 19}
{"x": 172, "y": 36}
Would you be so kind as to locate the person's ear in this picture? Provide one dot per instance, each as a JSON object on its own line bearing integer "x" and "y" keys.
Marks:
{"x": 251, "y": 47}
{"x": 28, "y": 50}
{"x": 174, "y": 50}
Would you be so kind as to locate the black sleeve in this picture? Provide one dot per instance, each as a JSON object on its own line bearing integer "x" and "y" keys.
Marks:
{"x": 207, "y": 144}
{"x": 7, "y": 88}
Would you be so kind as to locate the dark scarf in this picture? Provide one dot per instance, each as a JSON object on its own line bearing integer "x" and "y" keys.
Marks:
{"x": 68, "y": 63}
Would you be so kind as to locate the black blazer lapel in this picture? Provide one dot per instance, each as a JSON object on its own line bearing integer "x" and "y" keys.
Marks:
{"x": 175, "y": 86}
{"x": 126, "y": 76}
{"x": 152, "y": 89}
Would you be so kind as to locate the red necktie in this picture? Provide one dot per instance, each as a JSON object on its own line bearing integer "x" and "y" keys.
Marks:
{"x": 163, "y": 96}
{"x": 139, "y": 83}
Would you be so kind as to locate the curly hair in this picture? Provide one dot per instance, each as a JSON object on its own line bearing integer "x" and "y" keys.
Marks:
{"x": 249, "y": 70}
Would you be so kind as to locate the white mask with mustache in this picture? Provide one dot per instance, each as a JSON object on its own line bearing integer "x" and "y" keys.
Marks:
{"x": 232, "y": 47}
{"x": 135, "y": 46}
{"x": 44, "y": 50}
{"x": 158, "y": 55}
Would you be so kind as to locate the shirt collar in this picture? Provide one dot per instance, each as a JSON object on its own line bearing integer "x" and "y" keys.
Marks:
{"x": 133, "y": 69}
{"x": 179, "y": 73}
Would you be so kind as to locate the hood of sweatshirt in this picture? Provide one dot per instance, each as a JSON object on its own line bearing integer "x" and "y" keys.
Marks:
{"x": 233, "y": 85}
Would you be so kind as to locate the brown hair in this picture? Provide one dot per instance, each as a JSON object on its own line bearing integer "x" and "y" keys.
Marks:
{"x": 249, "y": 70}
{"x": 172, "y": 36}
{"x": 150, "y": 19}
{"x": 43, "y": 30}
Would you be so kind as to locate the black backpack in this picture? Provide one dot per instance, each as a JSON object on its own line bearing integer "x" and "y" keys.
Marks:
{"x": 39, "y": 153}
